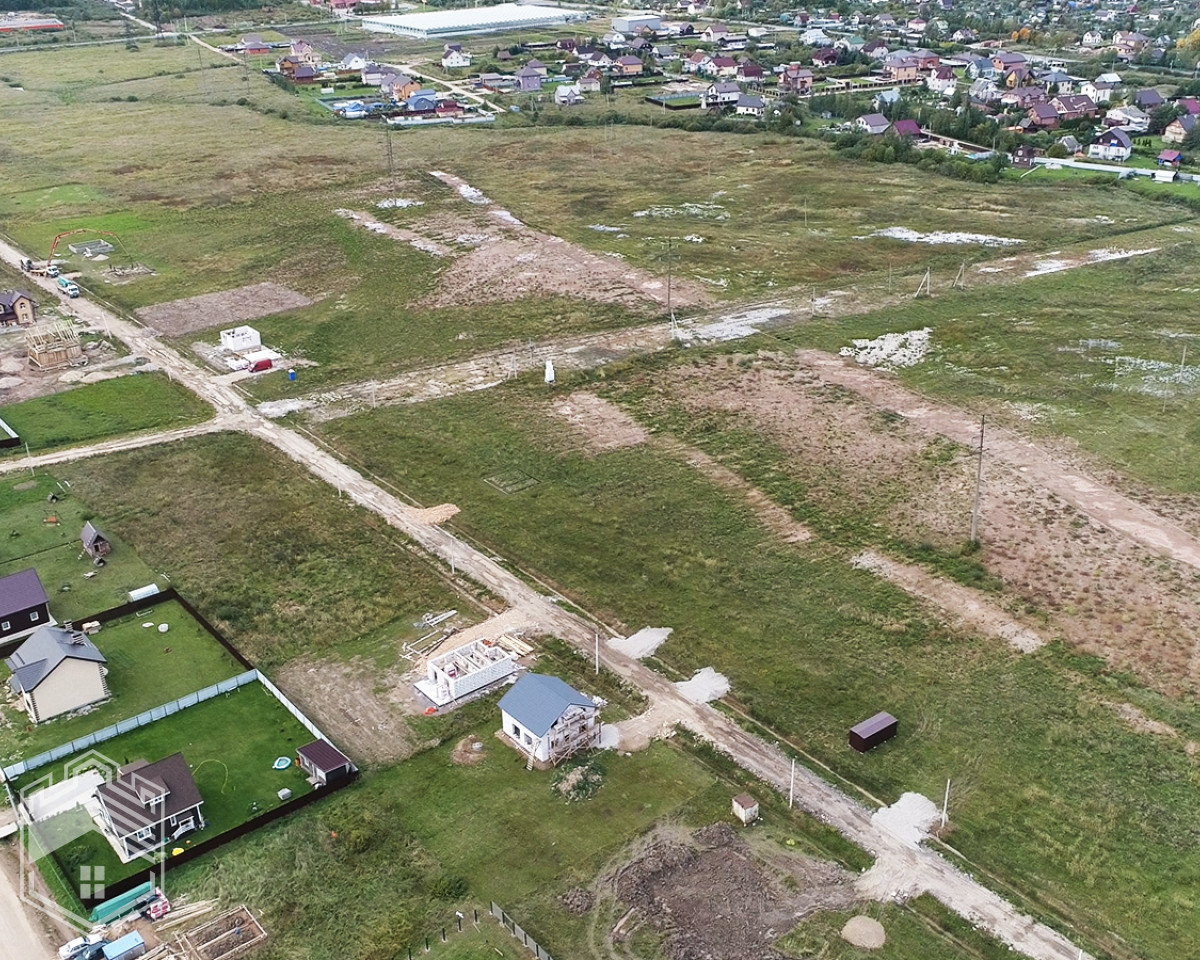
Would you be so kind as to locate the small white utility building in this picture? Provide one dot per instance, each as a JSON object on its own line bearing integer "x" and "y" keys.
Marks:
{"x": 548, "y": 719}
{"x": 460, "y": 672}
{"x": 240, "y": 338}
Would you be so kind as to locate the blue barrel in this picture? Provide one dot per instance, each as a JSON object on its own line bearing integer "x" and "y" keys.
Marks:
{"x": 291, "y": 373}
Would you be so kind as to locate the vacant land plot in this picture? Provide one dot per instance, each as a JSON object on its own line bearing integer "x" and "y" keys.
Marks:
{"x": 227, "y": 308}
{"x": 44, "y": 534}
{"x": 146, "y": 668}
{"x": 274, "y": 559}
{"x": 230, "y": 743}
{"x": 145, "y": 401}
{"x": 642, "y": 537}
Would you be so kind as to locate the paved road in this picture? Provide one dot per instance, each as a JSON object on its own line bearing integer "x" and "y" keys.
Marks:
{"x": 906, "y": 869}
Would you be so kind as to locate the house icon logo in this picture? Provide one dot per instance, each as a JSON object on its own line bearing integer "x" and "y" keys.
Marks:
{"x": 84, "y": 826}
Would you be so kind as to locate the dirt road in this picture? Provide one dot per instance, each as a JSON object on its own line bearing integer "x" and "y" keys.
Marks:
{"x": 1103, "y": 504}
{"x": 915, "y": 868}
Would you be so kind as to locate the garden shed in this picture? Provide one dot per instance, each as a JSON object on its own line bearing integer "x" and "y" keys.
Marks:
{"x": 873, "y": 731}
{"x": 323, "y": 762}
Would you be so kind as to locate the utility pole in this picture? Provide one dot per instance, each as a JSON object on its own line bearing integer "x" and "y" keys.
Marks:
{"x": 978, "y": 482}
{"x": 597, "y": 653}
{"x": 391, "y": 159}
{"x": 792, "y": 786}
{"x": 945, "y": 803}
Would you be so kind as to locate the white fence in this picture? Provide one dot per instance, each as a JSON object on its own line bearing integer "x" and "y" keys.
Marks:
{"x": 133, "y": 723}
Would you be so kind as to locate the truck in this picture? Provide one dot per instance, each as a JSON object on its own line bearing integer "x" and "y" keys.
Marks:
{"x": 69, "y": 287}
{"x": 129, "y": 947}
{"x": 39, "y": 269}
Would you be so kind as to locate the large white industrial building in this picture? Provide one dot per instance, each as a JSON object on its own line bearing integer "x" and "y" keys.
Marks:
{"x": 632, "y": 22}
{"x": 504, "y": 16}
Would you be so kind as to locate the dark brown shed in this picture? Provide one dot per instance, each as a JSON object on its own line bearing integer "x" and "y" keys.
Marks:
{"x": 871, "y": 733}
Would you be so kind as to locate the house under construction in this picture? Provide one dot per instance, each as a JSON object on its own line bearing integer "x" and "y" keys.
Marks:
{"x": 548, "y": 720}
{"x": 53, "y": 345}
{"x": 460, "y": 672}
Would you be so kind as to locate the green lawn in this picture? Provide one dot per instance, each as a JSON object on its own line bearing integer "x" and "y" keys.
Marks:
{"x": 105, "y": 409}
{"x": 1047, "y": 776}
{"x": 273, "y": 558}
{"x": 141, "y": 674}
{"x": 75, "y": 587}
{"x": 230, "y": 743}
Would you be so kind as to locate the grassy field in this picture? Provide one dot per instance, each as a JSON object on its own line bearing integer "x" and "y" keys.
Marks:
{"x": 144, "y": 401}
{"x": 55, "y": 551}
{"x": 229, "y": 742}
{"x": 275, "y": 560}
{"x": 641, "y": 538}
{"x": 1068, "y": 354}
{"x": 767, "y": 214}
{"x": 141, "y": 674}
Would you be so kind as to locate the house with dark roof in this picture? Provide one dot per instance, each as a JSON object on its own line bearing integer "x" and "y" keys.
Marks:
{"x": 1169, "y": 158}
{"x": 548, "y": 719}
{"x": 16, "y": 306}
{"x": 873, "y": 123}
{"x": 723, "y": 93}
{"x": 1074, "y": 106}
{"x": 529, "y": 80}
{"x": 24, "y": 605}
{"x": 795, "y": 79}
{"x": 95, "y": 544}
{"x": 1113, "y": 144}
{"x": 628, "y": 66}
{"x": 323, "y": 762}
{"x": 1043, "y": 116}
{"x": 750, "y": 105}
{"x": 150, "y": 804}
{"x": 56, "y": 671}
{"x": 1178, "y": 129}
{"x": 906, "y": 128}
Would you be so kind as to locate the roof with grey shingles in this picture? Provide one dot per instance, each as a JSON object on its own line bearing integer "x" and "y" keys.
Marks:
{"x": 537, "y": 700}
{"x": 42, "y": 653}
{"x": 9, "y": 298}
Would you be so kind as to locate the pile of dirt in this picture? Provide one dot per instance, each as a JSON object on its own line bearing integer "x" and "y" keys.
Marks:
{"x": 713, "y": 898}
{"x": 579, "y": 782}
{"x": 467, "y": 752}
{"x": 577, "y": 900}
{"x": 864, "y": 932}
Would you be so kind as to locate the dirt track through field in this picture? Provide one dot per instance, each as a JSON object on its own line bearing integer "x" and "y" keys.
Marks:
{"x": 921, "y": 868}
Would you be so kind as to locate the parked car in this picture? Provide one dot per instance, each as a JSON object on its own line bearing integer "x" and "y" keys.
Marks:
{"x": 83, "y": 948}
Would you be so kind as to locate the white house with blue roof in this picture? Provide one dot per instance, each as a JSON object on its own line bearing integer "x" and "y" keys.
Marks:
{"x": 548, "y": 719}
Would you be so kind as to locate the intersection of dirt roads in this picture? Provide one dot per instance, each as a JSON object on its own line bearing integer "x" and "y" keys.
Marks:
{"x": 901, "y": 868}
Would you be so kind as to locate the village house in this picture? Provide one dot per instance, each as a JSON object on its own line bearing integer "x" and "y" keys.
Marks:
{"x": 750, "y": 105}
{"x": 1022, "y": 157}
{"x": 825, "y": 57}
{"x": 371, "y": 74}
{"x": 398, "y": 86}
{"x": 1113, "y": 144}
{"x": 1092, "y": 39}
{"x": 57, "y": 671}
{"x": 1178, "y": 129}
{"x": 567, "y": 95}
{"x": 876, "y": 50}
{"x": 24, "y": 606}
{"x": 1128, "y": 118}
{"x": 750, "y": 73}
{"x": 941, "y": 80}
{"x": 1057, "y": 81}
{"x": 547, "y": 719}
{"x": 719, "y": 95}
{"x": 16, "y": 306}
{"x": 1004, "y": 61}
{"x": 796, "y": 79}
{"x": 628, "y": 66}
{"x": 1023, "y": 97}
{"x": 1074, "y": 106}
{"x": 873, "y": 123}
{"x": 1043, "y": 116}
{"x": 1101, "y": 91}
{"x": 906, "y": 128}
{"x": 1128, "y": 44}
{"x": 1169, "y": 158}
{"x": 901, "y": 68}
{"x": 95, "y": 544}
{"x": 529, "y": 80}
{"x": 722, "y": 67}
{"x": 150, "y": 804}
{"x": 454, "y": 57}
{"x": 305, "y": 52}
{"x": 1148, "y": 99}
{"x": 697, "y": 62}
{"x": 252, "y": 45}
{"x": 590, "y": 81}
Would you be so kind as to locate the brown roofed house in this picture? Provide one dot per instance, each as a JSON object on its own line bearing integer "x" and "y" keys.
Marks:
{"x": 150, "y": 804}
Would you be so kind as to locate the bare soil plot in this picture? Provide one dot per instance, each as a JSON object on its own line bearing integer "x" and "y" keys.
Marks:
{"x": 497, "y": 258}
{"x": 603, "y": 425}
{"x": 714, "y": 897}
{"x": 224, "y": 309}
{"x": 859, "y": 441}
